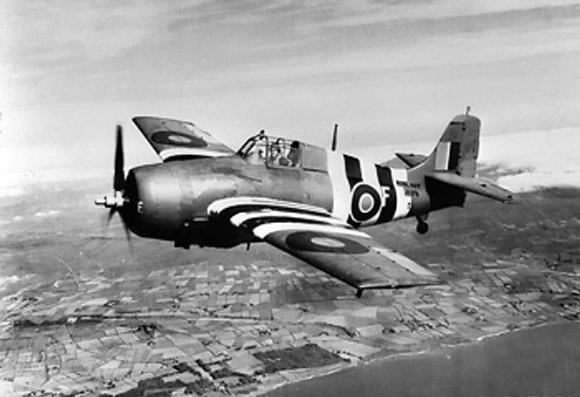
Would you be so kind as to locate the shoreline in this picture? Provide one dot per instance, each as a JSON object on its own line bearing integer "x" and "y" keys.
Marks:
{"x": 378, "y": 360}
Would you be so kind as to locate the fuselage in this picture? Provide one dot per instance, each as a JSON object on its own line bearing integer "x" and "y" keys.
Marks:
{"x": 170, "y": 201}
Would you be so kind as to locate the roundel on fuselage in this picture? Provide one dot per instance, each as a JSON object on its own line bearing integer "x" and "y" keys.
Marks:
{"x": 365, "y": 202}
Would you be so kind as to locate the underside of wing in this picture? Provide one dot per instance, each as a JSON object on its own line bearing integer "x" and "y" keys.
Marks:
{"x": 175, "y": 139}
{"x": 411, "y": 159}
{"x": 479, "y": 186}
{"x": 350, "y": 256}
{"x": 331, "y": 245}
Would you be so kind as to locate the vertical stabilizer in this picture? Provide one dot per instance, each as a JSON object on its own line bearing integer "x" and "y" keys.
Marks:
{"x": 457, "y": 150}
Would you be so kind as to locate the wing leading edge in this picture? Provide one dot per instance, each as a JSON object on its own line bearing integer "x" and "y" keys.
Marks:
{"x": 328, "y": 244}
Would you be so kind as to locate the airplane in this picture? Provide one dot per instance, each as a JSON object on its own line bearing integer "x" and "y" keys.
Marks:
{"x": 308, "y": 201}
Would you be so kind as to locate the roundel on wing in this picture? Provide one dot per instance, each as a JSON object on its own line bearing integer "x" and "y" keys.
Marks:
{"x": 365, "y": 202}
{"x": 324, "y": 242}
{"x": 177, "y": 139}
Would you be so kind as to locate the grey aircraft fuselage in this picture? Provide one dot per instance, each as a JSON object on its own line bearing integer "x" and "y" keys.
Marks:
{"x": 170, "y": 201}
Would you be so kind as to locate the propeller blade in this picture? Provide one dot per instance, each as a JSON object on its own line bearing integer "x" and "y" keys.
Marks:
{"x": 106, "y": 221}
{"x": 110, "y": 215}
{"x": 127, "y": 235}
{"x": 119, "y": 177}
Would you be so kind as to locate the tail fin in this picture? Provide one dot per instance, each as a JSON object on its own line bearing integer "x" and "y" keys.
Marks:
{"x": 458, "y": 148}
{"x": 450, "y": 169}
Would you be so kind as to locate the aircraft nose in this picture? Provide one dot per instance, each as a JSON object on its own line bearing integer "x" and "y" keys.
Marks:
{"x": 152, "y": 208}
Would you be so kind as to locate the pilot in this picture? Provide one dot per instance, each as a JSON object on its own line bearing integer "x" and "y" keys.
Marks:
{"x": 294, "y": 154}
{"x": 277, "y": 155}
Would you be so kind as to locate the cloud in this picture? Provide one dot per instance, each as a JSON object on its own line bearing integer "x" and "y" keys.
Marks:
{"x": 47, "y": 213}
{"x": 361, "y": 12}
{"x": 523, "y": 161}
{"x": 19, "y": 183}
{"x": 464, "y": 49}
{"x": 10, "y": 190}
{"x": 42, "y": 36}
{"x": 294, "y": 67}
{"x": 535, "y": 159}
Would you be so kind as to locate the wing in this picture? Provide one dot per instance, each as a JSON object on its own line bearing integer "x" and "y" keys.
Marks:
{"x": 331, "y": 245}
{"x": 174, "y": 139}
{"x": 483, "y": 187}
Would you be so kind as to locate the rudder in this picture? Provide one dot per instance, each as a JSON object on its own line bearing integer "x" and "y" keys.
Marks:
{"x": 457, "y": 149}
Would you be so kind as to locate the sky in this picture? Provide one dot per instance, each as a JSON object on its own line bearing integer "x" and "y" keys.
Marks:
{"x": 389, "y": 72}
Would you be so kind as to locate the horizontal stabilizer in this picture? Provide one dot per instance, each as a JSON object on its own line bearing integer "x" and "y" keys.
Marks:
{"x": 483, "y": 187}
{"x": 411, "y": 159}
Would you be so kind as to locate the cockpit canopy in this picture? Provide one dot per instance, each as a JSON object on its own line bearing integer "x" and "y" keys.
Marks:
{"x": 277, "y": 152}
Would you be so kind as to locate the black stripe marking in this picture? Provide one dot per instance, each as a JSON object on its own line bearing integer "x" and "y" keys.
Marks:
{"x": 388, "y": 189}
{"x": 353, "y": 170}
{"x": 454, "y": 155}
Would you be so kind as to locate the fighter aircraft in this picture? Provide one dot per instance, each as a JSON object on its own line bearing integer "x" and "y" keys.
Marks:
{"x": 308, "y": 201}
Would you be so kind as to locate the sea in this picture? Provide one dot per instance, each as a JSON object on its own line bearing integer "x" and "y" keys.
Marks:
{"x": 542, "y": 361}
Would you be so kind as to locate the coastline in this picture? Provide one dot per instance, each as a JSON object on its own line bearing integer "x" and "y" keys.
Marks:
{"x": 443, "y": 352}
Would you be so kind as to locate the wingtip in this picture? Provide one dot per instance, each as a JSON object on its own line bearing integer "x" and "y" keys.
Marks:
{"x": 136, "y": 119}
{"x": 512, "y": 198}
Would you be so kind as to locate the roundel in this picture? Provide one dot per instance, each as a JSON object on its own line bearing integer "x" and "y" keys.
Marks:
{"x": 177, "y": 139}
{"x": 365, "y": 202}
{"x": 324, "y": 242}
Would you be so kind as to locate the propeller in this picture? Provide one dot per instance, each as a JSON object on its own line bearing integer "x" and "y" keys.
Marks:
{"x": 116, "y": 202}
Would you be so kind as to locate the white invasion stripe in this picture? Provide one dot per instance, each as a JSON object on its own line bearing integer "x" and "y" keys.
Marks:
{"x": 369, "y": 175}
{"x": 403, "y": 201}
{"x": 442, "y": 156}
{"x": 405, "y": 262}
{"x": 263, "y": 230}
{"x": 242, "y": 217}
{"x": 340, "y": 186}
{"x": 168, "y": 153}
{"x": 220, "y": 205}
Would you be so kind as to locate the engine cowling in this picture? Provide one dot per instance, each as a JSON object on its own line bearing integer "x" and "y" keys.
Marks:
{"x": 153, "y": 203}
